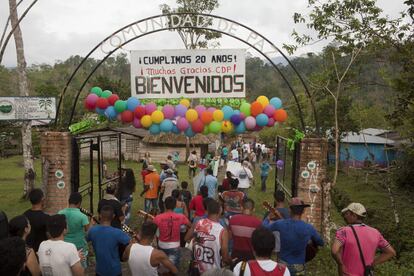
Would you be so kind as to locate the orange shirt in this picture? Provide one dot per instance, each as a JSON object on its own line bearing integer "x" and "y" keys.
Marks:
{"x": 153, "y": 181}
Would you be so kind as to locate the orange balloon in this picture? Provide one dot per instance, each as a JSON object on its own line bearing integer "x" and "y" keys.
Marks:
{"x": 206, "y": 117}
{"x": 256, "y": 108}
{"x": 280, "y": 115}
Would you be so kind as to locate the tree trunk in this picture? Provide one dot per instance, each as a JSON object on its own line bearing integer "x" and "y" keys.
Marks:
{"x": 336, "y": 142}
{"x": 26, "y": 130}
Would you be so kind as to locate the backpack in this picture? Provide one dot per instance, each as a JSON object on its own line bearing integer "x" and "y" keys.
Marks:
{"x": 4, "y": 225}
{"x": 243, "y": 174}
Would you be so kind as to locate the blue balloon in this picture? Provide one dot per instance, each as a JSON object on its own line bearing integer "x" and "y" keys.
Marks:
{"x": 155, "y": 129}
{"x": 175, "y": 130}
{"x": 236, "y": 112}
{"x": 262, "y": 120}
{"x": 240, "y": 128}
{"x": 276, "y": 102}
{"x": 227, "y": 111}
{"x": 100, "y": 111}
{"x": 189, "y": 132}
{"x": 166, "y": 125}
{"x": 110, "y": 113}
{"x": 132, "y": 103}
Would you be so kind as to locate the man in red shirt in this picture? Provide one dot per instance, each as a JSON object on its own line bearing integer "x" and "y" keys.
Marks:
{"x": 242, "y": 227}
{"x": 196, "y": 204}
{"x": 233, "y": 199}
{"x": 169, "y": 224}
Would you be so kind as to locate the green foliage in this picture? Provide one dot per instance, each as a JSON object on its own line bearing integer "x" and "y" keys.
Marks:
{"x": 193, "y": 38}
{"x": 403, "y": 172}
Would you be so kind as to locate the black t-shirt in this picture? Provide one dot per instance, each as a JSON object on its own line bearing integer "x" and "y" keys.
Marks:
{"x": 186, "y": 197}
{"x": 117, "y": 210}
{"x": 38, "y": 220}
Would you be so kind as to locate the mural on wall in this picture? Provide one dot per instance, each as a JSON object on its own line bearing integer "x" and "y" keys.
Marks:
{"x": 311, "y": 175}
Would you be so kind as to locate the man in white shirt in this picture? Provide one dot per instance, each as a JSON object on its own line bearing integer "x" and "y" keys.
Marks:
{"x": 143, "y": 259}
{"x": 244, "y": 175}
{"x": 263, "y": 243}
{"x": 235, "y": 155}
{"x": 57, "y": 257}
{"x": 169, "y": 184}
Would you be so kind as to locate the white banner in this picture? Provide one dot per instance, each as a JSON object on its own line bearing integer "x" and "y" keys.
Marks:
{"x": 27, "y": 108}
{"x": 218, "y": 73}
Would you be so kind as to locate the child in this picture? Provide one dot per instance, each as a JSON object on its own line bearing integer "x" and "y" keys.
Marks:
{"x": 264, "y": 173}
{"x": 185, "y": 194}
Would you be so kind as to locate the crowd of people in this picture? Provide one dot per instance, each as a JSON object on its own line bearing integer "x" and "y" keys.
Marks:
{"x": 218, "y": 225}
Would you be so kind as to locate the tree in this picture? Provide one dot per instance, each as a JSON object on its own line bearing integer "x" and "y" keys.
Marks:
{"x": 26, "y": 130}
{"x": 194, "y": 38}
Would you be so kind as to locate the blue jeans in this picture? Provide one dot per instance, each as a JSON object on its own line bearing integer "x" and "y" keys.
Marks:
{"x": 263, "y": 178}
{"x": 174, "y": 255}
{"x": 150, "y": 204}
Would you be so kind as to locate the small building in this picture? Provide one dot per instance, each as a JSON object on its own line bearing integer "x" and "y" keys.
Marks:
{"x": 367, "y": 147}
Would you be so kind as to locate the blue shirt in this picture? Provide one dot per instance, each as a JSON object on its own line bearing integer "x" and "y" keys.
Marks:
{"x": 264, "y": 169}
{"x": 294, "y": 236}
{"x": 211, "y": 183}
{"x": 106, "y": 241}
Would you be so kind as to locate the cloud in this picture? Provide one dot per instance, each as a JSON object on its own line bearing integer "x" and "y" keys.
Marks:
{"x": 55, "y": 30}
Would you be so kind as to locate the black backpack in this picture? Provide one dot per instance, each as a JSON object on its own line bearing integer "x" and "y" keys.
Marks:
{"x": 4, "y": 225}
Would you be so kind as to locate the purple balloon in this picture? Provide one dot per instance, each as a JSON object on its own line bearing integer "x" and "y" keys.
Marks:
{"x": 168, "y": 111}
{"x": 211, "y": 109}
{"x": 91, "y": 99}
{"x": 269, "y": 110}
{"x": 150, "y": 107}
{"x": 180, "y": 110}
{"x": 250, "y": 122}
{"x": 271, "y": 122}
{"x": 200, "y": 109}
{"x": 137, "y": 122}
{"x": 280, "y": 164}
{"x": 182, "y": 124}
{"x": 236, "y": 119}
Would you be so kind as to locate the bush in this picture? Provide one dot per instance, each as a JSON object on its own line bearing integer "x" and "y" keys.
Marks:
{"x": 403, "y": 173}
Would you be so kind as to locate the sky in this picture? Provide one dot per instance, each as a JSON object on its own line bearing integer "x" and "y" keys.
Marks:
{"x": 57, "y": 29}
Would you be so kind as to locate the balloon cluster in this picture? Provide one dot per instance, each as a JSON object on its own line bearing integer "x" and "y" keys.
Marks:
{"x": 181, "y": 118}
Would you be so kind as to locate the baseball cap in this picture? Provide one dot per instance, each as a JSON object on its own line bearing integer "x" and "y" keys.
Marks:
{"x": 151, "y": 168}
{"x": 296, "y": 201}
{"x": 356, "y": 208}
{"x": 169, "y": 171}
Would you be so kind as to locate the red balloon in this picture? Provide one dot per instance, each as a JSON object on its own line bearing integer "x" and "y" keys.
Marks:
{"x": 280, "y": 115}
{"x": 88, "y": 106}
{"x": 102, "y": 103}
{"x": 112, "y": 99}
{"x": 207, "y": 117}
{"x": 197, "y": 126}
{"x": 127, "y": 116}
{"x": 256, "y": 108}
{"x": 139, "y": 111}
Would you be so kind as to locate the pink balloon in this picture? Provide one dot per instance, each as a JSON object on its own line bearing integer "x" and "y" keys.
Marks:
{"x": 211, "y": 109}
{"x": 242, "y": 116}
{"x": 137, "y": 123}
{"x": 250, "y": 122}
{"x": 91, "y": 100}
{"x": 150, "y": 107}
{"x": 182, "y": 124}
{"x": 269, "y": 110}
{"x": 168, "y": 111}
{"x": 271, "y": 122}
{"x": 200, "y": 109}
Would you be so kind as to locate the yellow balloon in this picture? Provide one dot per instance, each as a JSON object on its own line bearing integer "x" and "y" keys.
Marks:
{"x": 226, "y": 126}
{"x": 263, "y": 100}
{"x": 157, "y": 116}
{"x": 191, "y": 115}
{"x": 146, "y": 121}
{"x": 218, "y": 115}
{"x": 185, "y": 102}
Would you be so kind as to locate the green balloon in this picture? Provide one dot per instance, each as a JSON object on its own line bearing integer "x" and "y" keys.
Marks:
{"x": 120, "y": 106}
{"x": 106, "y": 93}
{"x": 206, "y": 130}
{"x": 245, "y": 109}
{"x": 215, "y": 127}
{"x": 96, "y": 90}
